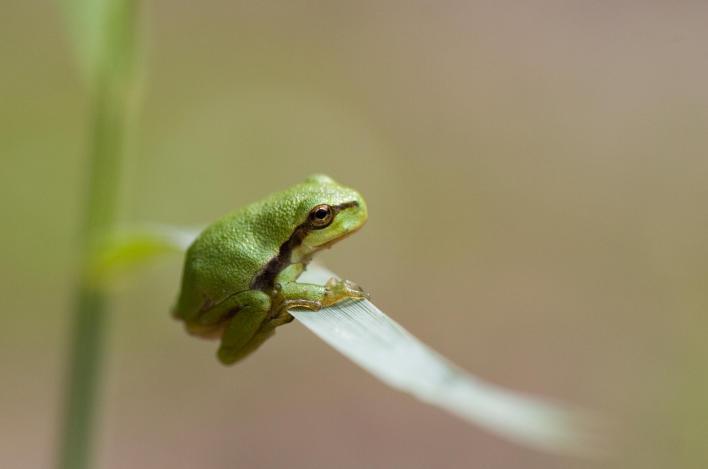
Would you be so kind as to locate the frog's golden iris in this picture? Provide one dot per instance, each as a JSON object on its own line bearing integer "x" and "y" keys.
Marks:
{"x": 321, "y": 216}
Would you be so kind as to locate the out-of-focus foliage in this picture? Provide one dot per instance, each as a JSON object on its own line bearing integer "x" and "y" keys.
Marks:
{"x": 535, "y": 173}
{"x": 105, "y": 38}
{"x": 126, "y": 251}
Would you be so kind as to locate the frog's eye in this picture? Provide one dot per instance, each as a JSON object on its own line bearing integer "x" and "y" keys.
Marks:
{"x": 321, "y": 216}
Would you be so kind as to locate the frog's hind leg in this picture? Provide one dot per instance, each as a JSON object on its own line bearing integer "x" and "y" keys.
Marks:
{"x": 211, "y": 322}
{"x": 244, "y": 327}
{"x": 266, "y": 331}
{"x": 210, "y": 331}
{"x": 229, "y": 356}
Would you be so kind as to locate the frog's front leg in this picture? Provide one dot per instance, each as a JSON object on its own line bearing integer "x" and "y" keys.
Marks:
{"x": 314, "y": 297}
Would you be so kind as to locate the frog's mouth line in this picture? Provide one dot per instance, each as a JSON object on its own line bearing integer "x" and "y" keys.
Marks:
{"x": 332, "y": 242}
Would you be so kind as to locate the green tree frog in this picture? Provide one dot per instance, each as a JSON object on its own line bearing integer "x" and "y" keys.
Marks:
{"x": 240, "y": 275}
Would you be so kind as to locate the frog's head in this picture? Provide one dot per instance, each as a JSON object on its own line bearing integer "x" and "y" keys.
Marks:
{"x": 327, "y": 212}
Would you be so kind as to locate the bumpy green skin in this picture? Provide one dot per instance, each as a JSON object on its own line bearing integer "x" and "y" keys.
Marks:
{"x": 224, "y": 289}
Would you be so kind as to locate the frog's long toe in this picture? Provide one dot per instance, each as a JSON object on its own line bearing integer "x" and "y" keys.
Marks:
{"x": 342, "y": 289}
{"x": 354, "y": 290}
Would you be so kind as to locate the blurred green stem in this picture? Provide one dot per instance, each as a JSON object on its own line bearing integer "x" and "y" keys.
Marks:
{"x": 111, "y": 81}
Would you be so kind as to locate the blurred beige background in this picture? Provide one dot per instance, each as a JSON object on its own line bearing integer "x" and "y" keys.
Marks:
{"x": 537, "y": 177}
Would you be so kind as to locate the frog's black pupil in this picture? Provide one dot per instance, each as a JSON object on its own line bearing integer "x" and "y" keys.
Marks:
{"x": 321, "y": 214}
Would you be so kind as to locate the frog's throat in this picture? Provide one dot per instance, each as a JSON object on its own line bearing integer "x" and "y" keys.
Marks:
{"x": 265, "y": 280}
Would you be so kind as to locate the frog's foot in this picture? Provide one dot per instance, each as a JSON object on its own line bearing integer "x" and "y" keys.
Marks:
{"x": 337, "y": 290}
{"x": 283, "y": 317}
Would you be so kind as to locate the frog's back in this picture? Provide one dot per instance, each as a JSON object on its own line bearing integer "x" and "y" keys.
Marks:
{"x": 227, "y": 255}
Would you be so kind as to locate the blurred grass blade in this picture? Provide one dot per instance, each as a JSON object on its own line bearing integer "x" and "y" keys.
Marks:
{"x": 372, "y": 340}
{"x": 124, "y": 251}
{"x": 104, "y": 36}
{"x": 86, "y": 20}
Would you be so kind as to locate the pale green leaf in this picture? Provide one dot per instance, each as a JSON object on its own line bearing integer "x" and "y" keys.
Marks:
{"x": 127, "y": 250}
{"x": 374, "y": 341}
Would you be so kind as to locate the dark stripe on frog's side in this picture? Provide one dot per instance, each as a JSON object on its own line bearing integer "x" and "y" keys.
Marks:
{"x": 265, "y": 280}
